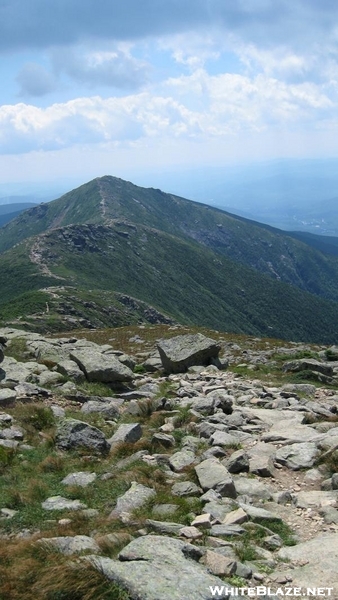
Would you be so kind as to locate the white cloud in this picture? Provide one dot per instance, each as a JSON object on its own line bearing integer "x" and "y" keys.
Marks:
{"x": 198, "y": 105}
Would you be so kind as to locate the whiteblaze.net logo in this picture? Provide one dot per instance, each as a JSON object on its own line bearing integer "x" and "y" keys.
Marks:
{"x": 223, "y": 591}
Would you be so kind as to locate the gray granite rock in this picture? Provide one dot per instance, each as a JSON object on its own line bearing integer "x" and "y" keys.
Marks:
{"x": 185, "y": 489}
{"x": 181, "y": 352}
{"x": 179, "y": 460}
{"x": 128, "y": 432}
{"x": 61, "y": 503}
{"x": 253, "y": 488}
{"x": 80, "y": 478}
{"x": 101, "y": 367}
{"x": 7, "y": 397}
{"x": 69, "y": 545}
{"x": 213, "y": 475}
{"x": 238, "y": 462}
{"x": 69, "y": 368}
{"x": 262, "y": 459}
{"x": 135, "y": 497}
{"x": 155, "y": 568}
{"x": 108, "y": 409}
{"x": 318, "y": 558}
{"x": 316, "y": 499}
{"x": 72, "y": 433}
{"x": 297, "y": 456}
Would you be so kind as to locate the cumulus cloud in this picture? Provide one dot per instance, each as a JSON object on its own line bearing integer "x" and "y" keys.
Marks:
{"x": 198, "y": 106}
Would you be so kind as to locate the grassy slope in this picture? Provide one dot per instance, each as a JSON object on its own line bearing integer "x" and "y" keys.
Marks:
{"x": 179, "y": 278}
{"x": 260, "y": 247}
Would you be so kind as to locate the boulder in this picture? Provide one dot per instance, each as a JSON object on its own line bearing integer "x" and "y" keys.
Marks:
{"x": 297, "y": 456}
{"x": 308, "y": 364}
{"x": 261, "y": 459}
{"x": 213, "y": 475}
{"x": 72, "y": 433}
{"x": 108, "y": 410}
{"x": 69, "y": 368}
{"x": 156, "y": 568}
{"x": 179, "y": 460}
{"x": 238, "y": 462}
{"x": 318, "y": 558}
{"x": 218, "y": 564}
{"x": 80, "y": 478}
{"x": 68, "y": 545}
{"x": 185, "y": 489}
{"x": 60, "y": 503}
{"x": 7, "y": 397}
{"x": 253, "y": 488}
{"x": 184, "y": 351}
{"x": 128, "y": 432}
{"x": 101, "y": 367}
{"x": 135, "y": 497}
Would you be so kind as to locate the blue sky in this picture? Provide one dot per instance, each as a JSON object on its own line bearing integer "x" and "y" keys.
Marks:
{"x": 126, "y": 87}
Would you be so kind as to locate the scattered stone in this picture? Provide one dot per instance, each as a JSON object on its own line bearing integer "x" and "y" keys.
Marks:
{"x": 71, "y": 545}
{"x": 202, "y": 521}
{"x": 236, "y": 517}
{"x": 191, "y": 533}
{"x": 7, "y": 397}
{"x": 165, "y": 440}
{"x": 128, "y": 432}
{"x": 238, "y": 462}
{"x": 179, "y": 460}
{"x": 185, "y": 489}
{"x": 135, "y": 497}
{"x": 164, "y": 510}
{"x": 253, "y": 488}
{"x": 219, "y": 565}
{"x": 213, "y": 475}
{"x": 60, "y": 503}
{"x": 72, "y": 434}
{"x": 108, "y": 410}
{"x": 262, "y": 459}
{"x": 80, "y": 478}
{"x": 297, "y": 456}
{"x": 316, "y": 499}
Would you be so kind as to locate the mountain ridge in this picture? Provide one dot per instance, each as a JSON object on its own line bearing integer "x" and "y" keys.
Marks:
{"x": 189, "y": 261}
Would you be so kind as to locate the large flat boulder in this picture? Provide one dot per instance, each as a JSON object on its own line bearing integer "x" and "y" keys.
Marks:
{"x": 314, "y": 563}
{"x": 156, "y": 568}
{"x": 181, "y": 352}
{"x": 297, "y": 456}
{"x": 96, "y": 366}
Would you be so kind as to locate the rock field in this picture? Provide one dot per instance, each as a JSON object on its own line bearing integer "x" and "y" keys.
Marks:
{"x": 225, "y": 478}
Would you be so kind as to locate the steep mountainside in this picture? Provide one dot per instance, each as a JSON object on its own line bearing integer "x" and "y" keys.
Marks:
{"x": 263, "y": 248}
{"x": 179, "y": 278}
{"x": 110, "y": 253}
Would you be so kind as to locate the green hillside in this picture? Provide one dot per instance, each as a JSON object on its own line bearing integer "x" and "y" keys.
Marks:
{"x": 182, "y": 279}
{"x": 108, "y": 199}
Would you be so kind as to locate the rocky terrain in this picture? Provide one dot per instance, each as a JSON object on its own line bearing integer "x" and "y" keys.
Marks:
{"x": 161, "y": 473}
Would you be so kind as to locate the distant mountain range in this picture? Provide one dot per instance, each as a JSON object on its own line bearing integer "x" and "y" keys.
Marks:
{"x": 110, "y": 252}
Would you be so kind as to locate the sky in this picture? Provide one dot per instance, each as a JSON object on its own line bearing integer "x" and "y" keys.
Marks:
{"x": 134, "y": 87}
